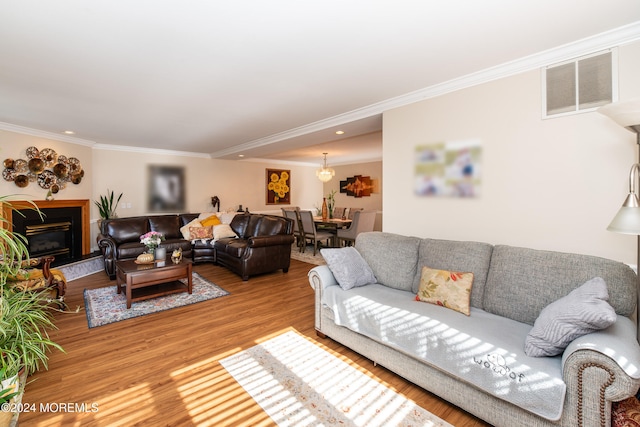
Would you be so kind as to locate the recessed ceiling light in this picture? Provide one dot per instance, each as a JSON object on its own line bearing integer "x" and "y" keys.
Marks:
{"x": 339, "y": 132}
{"x": 69, "y": 132}
{"x": 240, "y": 155}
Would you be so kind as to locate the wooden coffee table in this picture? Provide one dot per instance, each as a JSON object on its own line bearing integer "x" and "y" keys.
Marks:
{"x": 144, "y": 281}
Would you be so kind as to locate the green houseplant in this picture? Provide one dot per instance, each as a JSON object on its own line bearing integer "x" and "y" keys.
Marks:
{"x": 25, "y": 316}
{"x": 108, "y": 204}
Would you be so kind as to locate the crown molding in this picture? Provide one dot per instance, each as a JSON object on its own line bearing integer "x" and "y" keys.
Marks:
{"x": 145, "y": 150}
{"x": 45, "y": 134}
{"x": 617, "y": 37}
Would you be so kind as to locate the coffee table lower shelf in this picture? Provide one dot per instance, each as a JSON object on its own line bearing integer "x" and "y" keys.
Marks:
{"x": 155, "y": 291}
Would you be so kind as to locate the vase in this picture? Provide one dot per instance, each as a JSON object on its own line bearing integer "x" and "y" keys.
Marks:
{"x": 161, "y": 253}
{"x": 325, "y": 211}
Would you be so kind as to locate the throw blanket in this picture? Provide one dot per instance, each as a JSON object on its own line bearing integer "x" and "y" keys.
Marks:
{"x": 482, "y": 349}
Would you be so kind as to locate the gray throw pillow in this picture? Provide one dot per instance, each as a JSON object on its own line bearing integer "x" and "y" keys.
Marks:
{"x": 582, "y": 311}
{"x": 348, "y": 267}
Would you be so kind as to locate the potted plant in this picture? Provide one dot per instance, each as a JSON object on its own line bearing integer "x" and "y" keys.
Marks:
{"x": 107, "y": 205}
{"x": 26, "y": 316}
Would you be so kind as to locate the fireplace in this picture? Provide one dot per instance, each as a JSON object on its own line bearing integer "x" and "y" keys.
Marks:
{"x": 63, "y": 231}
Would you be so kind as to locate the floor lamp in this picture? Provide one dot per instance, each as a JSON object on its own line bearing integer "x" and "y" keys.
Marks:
{"x": 627, "y": 220}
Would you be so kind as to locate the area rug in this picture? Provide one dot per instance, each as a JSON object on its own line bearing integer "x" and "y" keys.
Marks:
{"x": 105, "y": 305}
{"x": 307, "y": 256}
{"x": 299, "y": 384}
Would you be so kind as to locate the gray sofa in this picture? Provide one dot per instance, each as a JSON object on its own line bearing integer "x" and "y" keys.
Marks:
{"x": 477, "y": 362}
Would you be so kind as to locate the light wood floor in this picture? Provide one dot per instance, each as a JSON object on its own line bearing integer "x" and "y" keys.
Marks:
{"x": 162, "y": 369}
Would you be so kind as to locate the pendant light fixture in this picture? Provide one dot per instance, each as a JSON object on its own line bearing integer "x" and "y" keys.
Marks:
{"x": 325, "y": 173}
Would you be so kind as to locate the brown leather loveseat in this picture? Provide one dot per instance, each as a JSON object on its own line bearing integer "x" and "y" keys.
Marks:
{"x": 263, "y": 245}
{"x": 119, "y": 238}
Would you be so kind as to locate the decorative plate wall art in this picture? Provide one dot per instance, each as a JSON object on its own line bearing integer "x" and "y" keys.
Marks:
{"x": 49, "y": 170}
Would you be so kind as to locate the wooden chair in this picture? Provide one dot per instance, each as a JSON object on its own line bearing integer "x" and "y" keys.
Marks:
{"x": 310, "y": 233}
{"x": 36, "y": 274}
{"x": 362, "y": 221}
{"x": 293, "y": 213}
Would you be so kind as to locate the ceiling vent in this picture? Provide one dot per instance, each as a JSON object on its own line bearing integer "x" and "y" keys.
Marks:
{"x": 580, "y": 85}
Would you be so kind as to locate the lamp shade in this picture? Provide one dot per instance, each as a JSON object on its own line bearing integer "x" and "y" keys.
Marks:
{"x": 627, "y": 220}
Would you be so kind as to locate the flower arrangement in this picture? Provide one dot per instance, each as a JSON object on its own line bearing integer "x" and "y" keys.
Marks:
{"x": 151, "y": 240}
{"x": 278, "y": 184}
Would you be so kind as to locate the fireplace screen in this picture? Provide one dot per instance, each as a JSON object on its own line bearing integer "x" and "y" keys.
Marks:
{"x": 49, "y": 239}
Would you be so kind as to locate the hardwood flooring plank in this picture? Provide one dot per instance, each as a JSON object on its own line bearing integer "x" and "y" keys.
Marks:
{"x": 162, "y": 369}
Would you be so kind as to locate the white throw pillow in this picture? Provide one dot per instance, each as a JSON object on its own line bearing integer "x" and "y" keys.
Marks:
{"x": 221, "y": 231}
{"x": 582, "y": 311}
{"x": 348, "y": 267}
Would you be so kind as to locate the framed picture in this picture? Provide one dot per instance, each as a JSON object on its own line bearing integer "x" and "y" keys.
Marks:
{"x": 278, "y": 187}
{"x": 166, "y": 189}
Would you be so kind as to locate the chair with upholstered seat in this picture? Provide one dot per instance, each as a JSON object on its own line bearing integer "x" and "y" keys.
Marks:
{"x": 36, "y": 275}
{"x": 352, "y": 212}
{"x": 310, "y": 233}
{"x": 362, "y": 221}
{"x": 338, "y": 212}
{"x": 293, "y": 213}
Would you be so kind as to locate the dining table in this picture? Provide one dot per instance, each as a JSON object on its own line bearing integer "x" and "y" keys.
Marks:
{"x": 332, "y": 225}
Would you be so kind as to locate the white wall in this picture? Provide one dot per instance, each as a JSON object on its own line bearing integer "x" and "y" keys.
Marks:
{"x": 549, "y": 184}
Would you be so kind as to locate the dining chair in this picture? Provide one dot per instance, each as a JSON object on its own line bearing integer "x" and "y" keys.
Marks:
{"x": 311, "y": 234}
{"x": 352, "y": 211}
{"x": 362, "y": 221}
{"x": 293, "y": 213}
{"x": 338, "y": 212}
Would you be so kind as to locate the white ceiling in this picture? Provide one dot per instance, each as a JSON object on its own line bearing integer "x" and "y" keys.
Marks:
{"x": 263, "y": 78}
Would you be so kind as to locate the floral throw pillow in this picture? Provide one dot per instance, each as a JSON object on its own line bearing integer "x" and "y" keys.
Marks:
{"x": 201, "y": 232}
{"x": 449, "y": 289}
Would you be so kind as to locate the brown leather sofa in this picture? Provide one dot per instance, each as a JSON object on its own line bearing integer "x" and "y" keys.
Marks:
{"x": 119, "y": 238}
{"x": 263, "y": 245}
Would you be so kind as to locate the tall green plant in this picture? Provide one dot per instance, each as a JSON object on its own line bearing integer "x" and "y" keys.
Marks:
{"x": 108, "y": 204}
{"x": 24, "y": 340}
{"x": 24, "y": 316}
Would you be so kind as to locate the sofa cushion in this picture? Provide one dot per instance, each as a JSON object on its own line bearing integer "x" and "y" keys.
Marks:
{"x": 482, "y": 349}
{"x": 232, "y": 247}
{"x": 168, "y": 225}
{"x": 270, "y": 226}
{"x": 474, "y": 257}
{"x": 449, "y": 289}
{"x": 584, "y": 310}
{"x": 239, "y": 225}
{"x": 348, "y": 267}
{"x": 393, "y": 258}
{"x": 521, "y": 281}
{"x": 124, "y": 230}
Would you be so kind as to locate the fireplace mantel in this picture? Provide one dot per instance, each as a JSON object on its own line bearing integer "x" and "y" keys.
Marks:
{"x": 83, "y": 204}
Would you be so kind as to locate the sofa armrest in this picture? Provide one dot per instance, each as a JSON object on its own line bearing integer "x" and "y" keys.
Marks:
{"x": 617, "y": 342}
{"x": 321, "y": 277}
{"x": 275, "y": 240}
{"x": 601, "y": 368}
{"x": 107, "y": 245}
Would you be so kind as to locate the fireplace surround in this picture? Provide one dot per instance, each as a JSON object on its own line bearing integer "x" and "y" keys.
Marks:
{"x": 64, "y": 233}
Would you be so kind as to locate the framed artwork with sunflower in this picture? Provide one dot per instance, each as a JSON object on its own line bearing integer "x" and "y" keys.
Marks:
{"x": 278, "y": 187}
